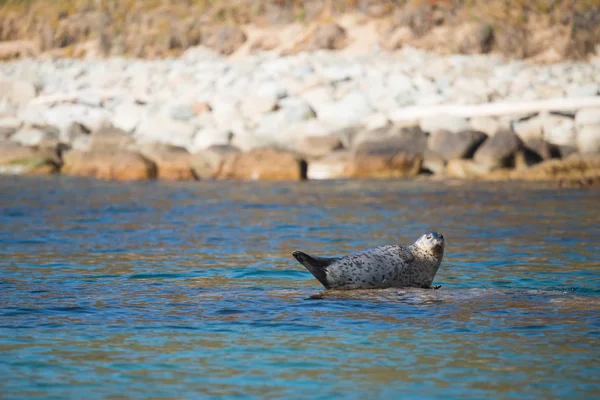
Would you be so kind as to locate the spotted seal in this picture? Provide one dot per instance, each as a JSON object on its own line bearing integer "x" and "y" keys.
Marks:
{"x": 381, "y": 266}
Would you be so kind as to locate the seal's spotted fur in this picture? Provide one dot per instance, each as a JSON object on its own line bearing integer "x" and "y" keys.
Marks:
{"x": 381, "y": 266}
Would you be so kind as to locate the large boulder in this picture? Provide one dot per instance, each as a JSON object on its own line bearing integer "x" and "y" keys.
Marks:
{"x": 393, "y": 157}
{"x": 18, "y": 159}
{"x": 173, "y": 163}
{"x": 263, "y": 164}
{"x": 122, "y": 165}
{"x": 499, "y": 151}
{"x": 455, "y": 145}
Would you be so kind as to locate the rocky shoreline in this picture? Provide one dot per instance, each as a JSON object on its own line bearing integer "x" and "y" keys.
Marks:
{"x": 313, "y": 115}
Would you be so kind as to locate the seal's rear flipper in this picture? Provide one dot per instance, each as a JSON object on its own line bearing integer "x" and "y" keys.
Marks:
{"x": 316, "y": 265}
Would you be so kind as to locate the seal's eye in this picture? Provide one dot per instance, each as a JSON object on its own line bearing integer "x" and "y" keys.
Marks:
{"x": 429, "y": 236}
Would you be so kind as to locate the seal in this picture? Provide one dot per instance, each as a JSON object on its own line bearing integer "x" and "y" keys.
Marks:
{"x": 380, "y": 267}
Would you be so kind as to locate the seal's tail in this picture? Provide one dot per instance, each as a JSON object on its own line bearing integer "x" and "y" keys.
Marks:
{"x": 316, "y": 265}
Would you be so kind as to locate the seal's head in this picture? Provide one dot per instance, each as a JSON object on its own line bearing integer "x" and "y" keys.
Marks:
{"x": 433, "y": 243}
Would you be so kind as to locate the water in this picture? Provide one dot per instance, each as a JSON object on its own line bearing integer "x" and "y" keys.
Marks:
{"x": 154, "y": 290}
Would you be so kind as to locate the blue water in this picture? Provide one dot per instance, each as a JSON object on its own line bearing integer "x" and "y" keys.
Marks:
{"x": 188, "y": 290}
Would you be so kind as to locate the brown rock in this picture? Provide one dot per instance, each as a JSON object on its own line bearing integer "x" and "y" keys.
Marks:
{"x": 173, "y": 163}
{"x": 263, "y": 164}
{"x": 19, "y": 159}
{"x": 224, "y": 38}
{"x": 388, "y": 158}
{"x": 319, "y": 146}
{"x": 119, "y": 165}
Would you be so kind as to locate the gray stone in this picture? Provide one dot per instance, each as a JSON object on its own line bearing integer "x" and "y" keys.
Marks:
{"x": 499, "y": 151}
{"x": 588, "y": 139}
{"x": 446, "y": 122}
{"x": 450, "y": 145}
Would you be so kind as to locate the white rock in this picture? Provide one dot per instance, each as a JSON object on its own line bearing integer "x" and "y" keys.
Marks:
{"x": 62, "y": 116}
{"x": 588, "y": 116}
{"x": 350, "y": 110}
{"x": 587, "y": 90}
{"x": 33, "y": 136}
{"x": 332, "y": 166}
{"x": 128, "y": 115}
{"x": 560, "y": 130}
{"x": 447, "y": 122}
{"x": 488, "y": 125}
{"x": 532, "y": 128}
{"x": 10, "y": 123}
{"x": 376, "y": 121}
{"x": 588, "y": 139}
{"x": 207, "y": 137}
{"x": 162, "y": 129}
{"x": 17, "y": 92}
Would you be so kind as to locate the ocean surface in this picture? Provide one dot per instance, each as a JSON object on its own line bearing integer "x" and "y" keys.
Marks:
{"x": 188, "y": 290}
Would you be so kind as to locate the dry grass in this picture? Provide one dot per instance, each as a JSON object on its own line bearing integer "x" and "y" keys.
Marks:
{"x": 165, "y": 27}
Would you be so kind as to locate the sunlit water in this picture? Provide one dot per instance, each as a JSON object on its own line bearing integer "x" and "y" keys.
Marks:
{"x": 150, "y": 290}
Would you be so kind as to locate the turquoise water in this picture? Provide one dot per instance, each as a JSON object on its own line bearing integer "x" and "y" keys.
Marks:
{"x": 188, "y": 290}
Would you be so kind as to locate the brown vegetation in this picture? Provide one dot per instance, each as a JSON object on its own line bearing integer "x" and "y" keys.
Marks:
{"x": 157, "y": 28}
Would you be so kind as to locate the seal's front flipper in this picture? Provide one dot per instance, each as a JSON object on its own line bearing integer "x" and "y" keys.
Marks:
{"x": 316, "y": 265}
{"x": 432, "y": 287}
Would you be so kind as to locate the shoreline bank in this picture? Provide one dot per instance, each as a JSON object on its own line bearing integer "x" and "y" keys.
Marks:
{"x": 318, "y": 115}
